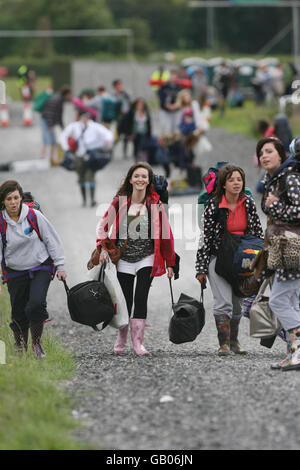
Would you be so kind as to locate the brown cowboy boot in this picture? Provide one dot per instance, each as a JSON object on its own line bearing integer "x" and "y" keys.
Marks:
{"x": 223, "y": 328}
{"x": 234, "y": 331}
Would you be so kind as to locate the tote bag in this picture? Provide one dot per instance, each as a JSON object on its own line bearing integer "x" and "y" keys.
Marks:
{"x": 263, "y": 322}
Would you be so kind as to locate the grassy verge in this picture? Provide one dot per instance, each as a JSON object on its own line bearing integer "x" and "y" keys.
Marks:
{"x": 244, "y": 120}
{"x": 35, "y": 413}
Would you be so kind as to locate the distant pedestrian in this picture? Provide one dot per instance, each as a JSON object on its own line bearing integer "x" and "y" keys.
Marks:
{"x": 123, "y": 105}
{"x": 105, "y": 104}
{"x": 139, "y": 128}
{"x": 51, "y": 116}
{"x": 283, "y": 129}
{"x": 80, "y": 137}
{"x": 141, "y": 230}
{"x": 222, "y": 81}
{"x": 31, "y": 253}
{"x": 281, "y": 203}
{"x": 169, "y": 111}
{"x": 229, "y": 201}
{"x": 161, "y": 75}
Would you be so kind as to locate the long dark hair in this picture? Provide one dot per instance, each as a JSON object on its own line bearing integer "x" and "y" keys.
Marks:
{"x": 225, "y": 173}
{"x": 277, "y": 144}
{"x": 126, "y": 187}
{"x": 7, "y": 187}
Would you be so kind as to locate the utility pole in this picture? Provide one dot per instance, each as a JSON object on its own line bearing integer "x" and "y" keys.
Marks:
{"x": 296, "y": 34}
{"x": 210, "y": 28}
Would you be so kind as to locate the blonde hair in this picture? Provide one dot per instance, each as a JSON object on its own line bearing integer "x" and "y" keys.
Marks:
{"x": 181, "y": 95}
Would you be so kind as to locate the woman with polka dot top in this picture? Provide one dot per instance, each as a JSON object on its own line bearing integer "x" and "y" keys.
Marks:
{"x": 229, "y": 200}
{"x": 283, "y": 205}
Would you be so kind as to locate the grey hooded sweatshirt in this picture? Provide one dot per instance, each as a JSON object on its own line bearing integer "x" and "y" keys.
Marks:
{"x": 24, "y": 249}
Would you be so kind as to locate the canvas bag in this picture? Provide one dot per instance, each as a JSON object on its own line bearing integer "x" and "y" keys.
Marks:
{"x": 263, "y": 322}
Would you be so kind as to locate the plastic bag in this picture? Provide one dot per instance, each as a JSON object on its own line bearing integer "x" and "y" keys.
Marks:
{"x": 120, "y": 319}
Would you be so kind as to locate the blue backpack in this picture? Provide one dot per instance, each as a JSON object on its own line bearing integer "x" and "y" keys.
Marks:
{"x": 109, "y": 109}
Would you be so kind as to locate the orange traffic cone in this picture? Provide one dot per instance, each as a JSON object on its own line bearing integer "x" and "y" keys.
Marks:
{"x": 27, "y": 115}
{"x": 4, "y": 116}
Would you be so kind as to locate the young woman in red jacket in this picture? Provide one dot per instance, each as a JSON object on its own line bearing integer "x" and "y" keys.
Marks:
{"x": 137, "y": 223}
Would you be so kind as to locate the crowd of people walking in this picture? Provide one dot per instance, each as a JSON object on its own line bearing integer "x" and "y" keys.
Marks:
{"x": 135, "y": 233}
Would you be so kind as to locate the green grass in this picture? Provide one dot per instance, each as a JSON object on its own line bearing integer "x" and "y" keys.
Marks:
{"x": 243, "y": 120}
{"x": 35, "y": 411}
{"x": 13, "y": 91}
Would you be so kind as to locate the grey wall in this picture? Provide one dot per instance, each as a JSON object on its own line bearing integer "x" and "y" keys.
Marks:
{"x": 91, "y": 74}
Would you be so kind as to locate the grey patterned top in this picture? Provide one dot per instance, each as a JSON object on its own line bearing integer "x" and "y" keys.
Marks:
{"x": 139, "y": 245}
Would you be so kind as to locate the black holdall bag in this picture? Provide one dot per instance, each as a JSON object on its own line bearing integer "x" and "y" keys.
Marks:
{"x": 188, "y": 318}
{"x": 89, "y": 302}
{"x": 98, "y": 159}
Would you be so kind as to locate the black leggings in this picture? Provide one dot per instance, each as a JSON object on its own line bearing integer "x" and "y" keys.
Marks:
{"x": 143, "y": 283}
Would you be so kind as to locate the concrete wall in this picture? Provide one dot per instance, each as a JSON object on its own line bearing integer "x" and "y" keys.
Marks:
{"x": 91, "y": 74}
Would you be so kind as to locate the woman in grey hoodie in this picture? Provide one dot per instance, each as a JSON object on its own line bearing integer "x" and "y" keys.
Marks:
{"x": 31, "y": 254}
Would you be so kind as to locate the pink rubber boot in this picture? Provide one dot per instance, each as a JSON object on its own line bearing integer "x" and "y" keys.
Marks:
{"x": 137, "y": 326}
{"x": 120, "y": 344}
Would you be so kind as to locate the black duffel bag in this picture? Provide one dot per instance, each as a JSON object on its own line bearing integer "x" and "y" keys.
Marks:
{"x": 98, "y": 159}
{"x": 89, "y": 302}
{"x": 188, "y": 318}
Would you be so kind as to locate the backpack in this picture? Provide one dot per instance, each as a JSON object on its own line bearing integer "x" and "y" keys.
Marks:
{"x": 235, "y": 257}
{"x": 109, "y": 111}
{"x": 31, "y": 202}
{"x": 160, "y": 186}
{"x": 210, "y": 179}
{"x": 41, "y": 100}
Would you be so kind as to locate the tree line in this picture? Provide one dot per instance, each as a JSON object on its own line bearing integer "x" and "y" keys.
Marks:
{"x": 157, "y": 25}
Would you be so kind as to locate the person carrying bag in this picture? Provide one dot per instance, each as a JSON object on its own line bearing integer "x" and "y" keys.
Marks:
{"x": 135, "y": 233}
{"x": 92, "y": 144}
{"x": 232, "y": 208}
{"x": 281, "y": 203}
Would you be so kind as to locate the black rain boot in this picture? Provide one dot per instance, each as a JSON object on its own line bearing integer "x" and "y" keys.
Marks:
{"x": 234, "y": 331}
{"x": 36, "y": 334}
{"x": 21, "y": 340}
{"x": 92, "y": 192}
{"x": 83, "y": 193}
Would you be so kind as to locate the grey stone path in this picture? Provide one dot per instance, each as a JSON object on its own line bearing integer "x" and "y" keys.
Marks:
{"x": 229, "y": 403}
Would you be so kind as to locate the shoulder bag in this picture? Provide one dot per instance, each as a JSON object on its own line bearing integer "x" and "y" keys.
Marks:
{"x": 263, "y": 322}
{"x": 283, "y": 244}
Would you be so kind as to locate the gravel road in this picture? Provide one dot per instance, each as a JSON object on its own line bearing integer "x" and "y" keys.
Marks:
{"x": 216, "y": 403}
